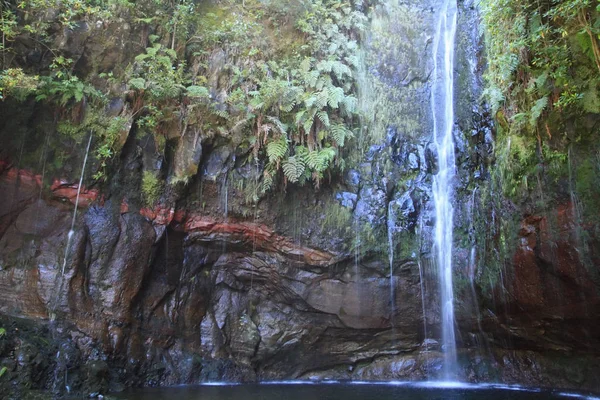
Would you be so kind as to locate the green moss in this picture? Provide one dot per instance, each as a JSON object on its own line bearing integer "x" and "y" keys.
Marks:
{"x": 336, "y": 218}
{"x": 151, "y": 188}
{"x": 588, "y": 186}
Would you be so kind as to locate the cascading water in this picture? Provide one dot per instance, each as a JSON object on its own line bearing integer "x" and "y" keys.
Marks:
{"x": 442, "y": 108}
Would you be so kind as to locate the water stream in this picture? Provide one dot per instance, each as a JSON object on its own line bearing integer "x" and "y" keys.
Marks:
{"x": 72, "y": 230}
{"x": 73, "y": 220}
{"x": 442, "y": 108}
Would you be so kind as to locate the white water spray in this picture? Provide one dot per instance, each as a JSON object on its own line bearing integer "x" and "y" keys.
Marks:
{"x": 442, "y": 108}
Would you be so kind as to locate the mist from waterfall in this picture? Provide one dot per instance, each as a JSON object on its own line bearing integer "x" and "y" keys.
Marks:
{"x": 442, "y": 108}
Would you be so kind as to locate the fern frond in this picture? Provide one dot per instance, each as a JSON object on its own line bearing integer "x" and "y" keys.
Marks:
{"x": 276, "y": 150}
{"x": 198, "y": 92}
{"x": 537, "y": 110}
{"x": 267, "y": 182}
{"x": 308, "y": 123}
{"x": 336, "y": 96}
{"x": 300, "y": 117}
{"x": 312, "y": 160}
{"x": 325, "y": 66}
{"x": 278, "y": 125}
{"x": 311, "y": 78}
{"x": 322, "y": 99}
{"x": 288, "y": 106}
{"x": 353, "y": 60}
{"x": 340, "y": 133}
{"x": 323, "y": 117}
{"x": 310, "y": 100}
{"x": 305, "y": 65}
{"x": 221, "y": 113}
{"x": 319, "y": 161}
{"x": 293, "y": 168}
{"x": 340, "y": 69}
{"x": 350, "y": 104}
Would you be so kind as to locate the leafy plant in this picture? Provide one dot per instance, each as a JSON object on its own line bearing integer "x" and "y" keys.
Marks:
{"x": 151, "y": 188}
{"x": 543, "y": 70}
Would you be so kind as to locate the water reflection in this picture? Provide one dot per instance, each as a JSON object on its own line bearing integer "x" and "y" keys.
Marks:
{"x": 337, "y": 391}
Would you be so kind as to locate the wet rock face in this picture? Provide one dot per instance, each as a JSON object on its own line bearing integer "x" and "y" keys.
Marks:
{"x": 552, "y": 278}
{"x": 183, "y": 293}
{"x": 216, "y": 298}
{"x": 226, "y": 300}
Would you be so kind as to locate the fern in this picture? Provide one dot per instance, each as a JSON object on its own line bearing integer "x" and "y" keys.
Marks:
{"x": 325, "y": 66}
{"x": 293, "y": 168}
{"x": 308, "y": 123}
{"x": 322, "y": 99}
{"x": 340, "y": 133}
{"x": 137, "y": 83}
{"x": 323, "y": 117}
{"x": 197, "y": 92}
{"x": 221, "y": 114}
{"x": 341, "y": 69}
{"x": 279, "y": 126}
{"x": 267, "y": 182}
{"x": 276, "y": 150}
{"x": 350, "y": 104}
{"x": 537, "y": 110}
{"x": 336, "y": 96}
{"x": 310, "y": 100}
{"x": 310, "y": 78}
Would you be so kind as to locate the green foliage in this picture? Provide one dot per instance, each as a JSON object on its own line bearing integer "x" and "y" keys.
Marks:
{"x": 156, "y": 74}
{"x": 294, "y": 168}
{"x": 298, "y": 96}
{"x": 106, "y": 130}
{"x": 543, "y": 70}
{"x": 14, "y": 82}
{"x": 151, "y": 188}
{"x": 277, "y": 76}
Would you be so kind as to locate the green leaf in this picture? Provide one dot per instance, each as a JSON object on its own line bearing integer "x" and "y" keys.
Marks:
{"x": 537, "y": 110}
{"x": 198, "y": 92}
{"x": 293, "y": 168}
{"x": 276, "y": 150}
{"x": 137, "y": 83}
{"x": 336, "y": 96}
{"x": 323, "y": 117}
{"x": 340, "y": 133}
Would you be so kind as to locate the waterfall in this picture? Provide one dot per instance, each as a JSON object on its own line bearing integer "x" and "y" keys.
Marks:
{"x": 442, "y": 108}
{"x": 390, "y": 232}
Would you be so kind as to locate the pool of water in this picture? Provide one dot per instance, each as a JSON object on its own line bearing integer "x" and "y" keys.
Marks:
{"x": 348, "y": 391}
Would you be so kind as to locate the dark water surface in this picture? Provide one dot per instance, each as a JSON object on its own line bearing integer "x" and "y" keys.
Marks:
{"x": 341, "y": 391}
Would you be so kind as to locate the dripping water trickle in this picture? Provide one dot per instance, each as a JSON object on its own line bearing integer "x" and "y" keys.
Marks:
{"x": 390, "y": 233}
{"x": 442, "y": 108}
{"x": 225, "y": 199}
{"x": 422, "y": 281}
{"x": 72, "y": 230}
